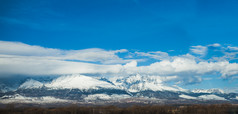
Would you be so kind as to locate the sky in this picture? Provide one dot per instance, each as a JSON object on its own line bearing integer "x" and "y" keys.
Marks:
{"x": 195, "y": 41}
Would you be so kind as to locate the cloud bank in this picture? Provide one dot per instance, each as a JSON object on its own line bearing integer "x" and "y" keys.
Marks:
{"x": 17, "y": 58}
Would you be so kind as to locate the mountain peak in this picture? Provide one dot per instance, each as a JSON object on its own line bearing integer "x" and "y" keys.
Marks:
{"x": 139, "y": 82}
{"x": 78, "y": 82}
{"x": 29, "y": 84}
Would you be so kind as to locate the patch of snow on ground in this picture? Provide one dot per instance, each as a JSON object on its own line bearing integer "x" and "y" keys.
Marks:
{"x": 105, "y": 97}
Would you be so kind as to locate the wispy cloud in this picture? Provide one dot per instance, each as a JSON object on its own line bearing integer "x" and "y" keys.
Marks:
{"x": 155, "y": 55}
{"x": 232, "y": 48}
{"x": 200, "y": 50}
{"x": 20, "y": 22}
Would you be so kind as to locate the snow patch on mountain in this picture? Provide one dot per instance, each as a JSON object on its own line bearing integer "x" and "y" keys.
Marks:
{"x": 22, "y": 99}
{"x": 187, "y": 96}
{"x": 211, "y": 97}
{"x": 29, "y": 84}
{"x": 78, "y": 82}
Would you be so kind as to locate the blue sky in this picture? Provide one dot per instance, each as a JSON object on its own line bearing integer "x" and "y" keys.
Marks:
{"x": 141, "y": 27}
{"x": 148, "y": 25}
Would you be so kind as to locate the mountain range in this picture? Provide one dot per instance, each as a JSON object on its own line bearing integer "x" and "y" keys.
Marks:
{"x": 85, "y": 89}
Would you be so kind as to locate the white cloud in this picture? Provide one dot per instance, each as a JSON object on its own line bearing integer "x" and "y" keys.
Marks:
{"x": 90, "y": 55}
{"x": 187, "y": 67}
{"x": 131, "y": 64}
{"x": 44, "y": 66}
{"x": 19, "y": 58}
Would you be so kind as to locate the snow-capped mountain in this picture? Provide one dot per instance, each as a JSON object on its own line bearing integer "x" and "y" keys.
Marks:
{"x": 78, "y": 82}
{"x": 135, "y": 83}
{"x": 86, "y": 88}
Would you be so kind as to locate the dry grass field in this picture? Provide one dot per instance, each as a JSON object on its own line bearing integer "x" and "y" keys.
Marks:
{"x": 154, "y": 109}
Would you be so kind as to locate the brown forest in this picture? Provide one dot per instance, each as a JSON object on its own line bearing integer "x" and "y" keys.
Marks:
{"x": 154, "y": 109}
